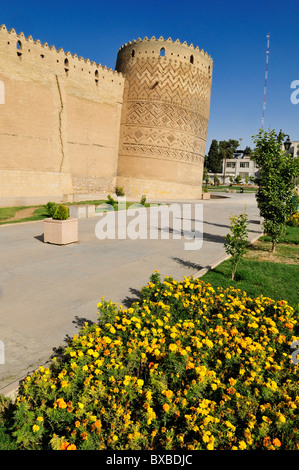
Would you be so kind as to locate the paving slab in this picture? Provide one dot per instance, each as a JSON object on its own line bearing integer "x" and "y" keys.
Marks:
{"x": 48, "y": 291}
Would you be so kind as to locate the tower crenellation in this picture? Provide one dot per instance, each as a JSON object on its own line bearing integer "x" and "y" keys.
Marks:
{"x": 165, "y": 116}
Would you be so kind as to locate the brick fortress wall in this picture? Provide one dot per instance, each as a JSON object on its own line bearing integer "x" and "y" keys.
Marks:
{"x": 164, "y": 117}
{"x": 71, "y": 128}
{"x": 59, "y": 124}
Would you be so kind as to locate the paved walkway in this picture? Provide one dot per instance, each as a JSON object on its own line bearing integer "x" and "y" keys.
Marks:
{"x": 47, "y": 291}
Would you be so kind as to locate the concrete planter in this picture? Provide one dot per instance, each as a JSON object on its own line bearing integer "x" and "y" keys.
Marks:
{"x": 206, "y": 195}
{"x": 60, "y": 232}
{"x": 82, "y": 211}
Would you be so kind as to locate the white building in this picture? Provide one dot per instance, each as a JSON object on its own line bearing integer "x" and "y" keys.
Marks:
{"x": 232, "y": 167}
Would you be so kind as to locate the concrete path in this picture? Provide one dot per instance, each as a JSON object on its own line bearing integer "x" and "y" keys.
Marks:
{"x": 47, "y": 291}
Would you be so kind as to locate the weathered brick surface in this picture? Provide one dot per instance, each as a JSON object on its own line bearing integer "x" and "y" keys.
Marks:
{"x": 69, "y": 126}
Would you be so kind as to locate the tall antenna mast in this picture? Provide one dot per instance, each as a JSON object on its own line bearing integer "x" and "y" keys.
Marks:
{"x": 266, "y": 76}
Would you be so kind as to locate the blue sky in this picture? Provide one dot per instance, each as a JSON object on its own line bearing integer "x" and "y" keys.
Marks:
{"x": 233, "y": 32}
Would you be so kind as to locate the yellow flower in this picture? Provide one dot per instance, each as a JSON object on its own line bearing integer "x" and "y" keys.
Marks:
{"x": 281, "y": 418}
{"x": 35, "y": 428}
{"x": 166, "y": 407}
{"x": 242, "y": 445}
{"x": 39, "y": 418}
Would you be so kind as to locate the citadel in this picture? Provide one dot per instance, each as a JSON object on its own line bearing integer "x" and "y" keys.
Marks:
{"x": 72, "y": 129}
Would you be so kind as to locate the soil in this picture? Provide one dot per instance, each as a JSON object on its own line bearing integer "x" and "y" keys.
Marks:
{"x": 22, "y": 214}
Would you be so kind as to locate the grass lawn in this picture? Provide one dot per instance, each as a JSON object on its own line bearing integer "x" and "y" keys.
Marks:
{"x": 224, "y": 188}
{"x": 40, "y": 213}
{"x": 274, "y": 275}
{"x": 291, "y": 236}
{"x": 8, "y": 212}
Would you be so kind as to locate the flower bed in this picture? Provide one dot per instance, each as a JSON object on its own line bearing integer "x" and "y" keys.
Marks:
{"x": 186, "y": 367}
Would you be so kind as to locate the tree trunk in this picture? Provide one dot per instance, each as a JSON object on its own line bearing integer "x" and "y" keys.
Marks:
{"x": 234, "y": 271}
{"x": 273, "y": 249}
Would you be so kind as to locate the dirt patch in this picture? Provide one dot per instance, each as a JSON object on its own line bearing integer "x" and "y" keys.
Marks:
{"x": 22, "y": 214}
{"x": 287, "y": 254}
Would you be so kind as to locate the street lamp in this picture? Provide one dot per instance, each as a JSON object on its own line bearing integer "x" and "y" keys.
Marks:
{"x": 287, "y": 143}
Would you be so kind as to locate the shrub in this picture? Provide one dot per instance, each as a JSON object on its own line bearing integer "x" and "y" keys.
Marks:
{"x": 119, "y": 191}
{"x": 110, "y": 200}
{"x": 143, "y": 199}
{"x": 294, "y": 220}
{"x": 61, "y": 212}
{"x": 50, "y": 208}
{"x": 186, "y": 367}
{"x": 57, "y": 211}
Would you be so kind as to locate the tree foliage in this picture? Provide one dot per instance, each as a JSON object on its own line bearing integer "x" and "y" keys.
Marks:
{"x": 236, "y": 242}
{"x": 277, "y": 172}
{"x": 218, "y": 152}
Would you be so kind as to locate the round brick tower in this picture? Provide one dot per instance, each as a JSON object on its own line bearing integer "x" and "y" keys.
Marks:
{"x": 164, "y": 118}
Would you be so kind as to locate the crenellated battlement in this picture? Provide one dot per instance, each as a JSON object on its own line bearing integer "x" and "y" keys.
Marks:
{"x": 30, "y": 48}
{"x": 165, "y": 50}
{"x": 161, "y": 41}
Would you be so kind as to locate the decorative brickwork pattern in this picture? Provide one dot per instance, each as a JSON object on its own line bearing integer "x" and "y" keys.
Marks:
{"x": 165, "y": 111}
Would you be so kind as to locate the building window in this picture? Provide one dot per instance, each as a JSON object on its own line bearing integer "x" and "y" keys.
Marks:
{"x": 133, "y": 53}
{"x": 244, "y": 164}
{"x": 162, "y": 52}
{"x": 192, "y": 59}
{"x": 230, "y": 164}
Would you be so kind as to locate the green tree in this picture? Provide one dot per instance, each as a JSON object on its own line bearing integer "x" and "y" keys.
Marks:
{"x": 213, "y": 161}
{"x": 236, "y": 242}
{"x": 277, "y": 172}
{"x": 228, "y": 148}
{"x": 248, "y": 151}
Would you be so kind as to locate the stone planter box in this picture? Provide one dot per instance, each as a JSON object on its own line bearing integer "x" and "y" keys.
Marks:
{"x": 60, "y": 232}
{"x": 82, "y": 211}
{"x": 77, "y": 212}
{"x": 206, "y": 196}
{"x": 90, "y": 210}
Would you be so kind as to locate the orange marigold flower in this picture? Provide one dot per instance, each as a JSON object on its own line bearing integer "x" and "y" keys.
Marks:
{"x": 71, "y": 447}
{"x": 84, "y": 435}
{"x": 166, "y": 407}
{"x": 266, "y": 441}
{"x": 61, "y": 403}
{"x": 276, "y": 442}
{"x": 64, "y": 445}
